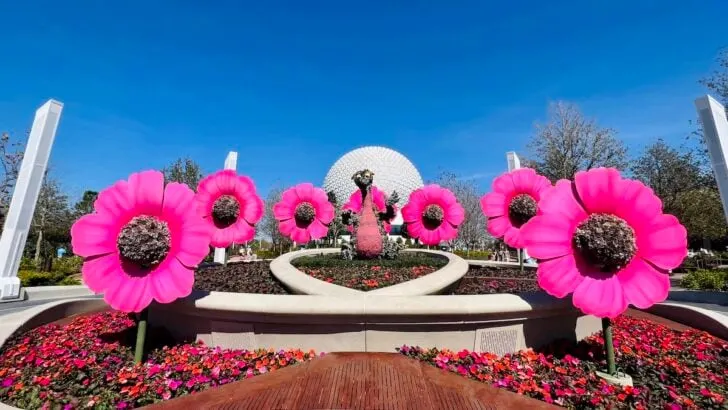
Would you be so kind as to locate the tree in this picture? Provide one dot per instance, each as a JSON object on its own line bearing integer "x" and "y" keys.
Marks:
{"x": 183, "y": 170}
{"x": 472, "y": 232}
{"x": 51, "y": 223}
{"x": 717, "y": 81}
{"x": 568, "y": 142}
{"x": 86, "y": 205}
{"x": 701, "y": 212}
{"x": 11, "y": 157}
{"x": 269, "y": 225}
{"x": 668, "y": 172}
{"x": 337, "y": 225}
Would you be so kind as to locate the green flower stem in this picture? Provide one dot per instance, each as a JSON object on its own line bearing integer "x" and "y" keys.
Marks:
{"x": 224, "y": 258}
{"x": 609, "y": 345}
{"x": 141, "y": 335}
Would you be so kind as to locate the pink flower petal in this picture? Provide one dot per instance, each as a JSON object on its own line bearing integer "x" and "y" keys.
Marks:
{"x": 493, "y": 204}
{"x": 317, "y": 230}
{"x": 455, "y": 214}
{"x": 663, "y": 241}
{"x": 411, "y": 212}
{"x": 147, "y": 189}
{"x": 643, "y": 285}
{"x": 94, "y": 234}
{"x": 283, "y": 210}
{"x": 99, "y": 271}
{"x": 430, "y": 237}
{"x": 414, "y": 229}
{"x": 559, "y": 277}
{"x": 431, "y": 193}
{"x": 319, "y": 195}
{"x": 222, "y": 238}
{"x": 244, "y": 186}
{"x": 638, "y": 204}
{"x": 559, "y": 202}
{"x": 601, "y": 297}
{"x": 207, "y": 186}
{"x": 171, "y": 281}
{"x": 300, "y": 235}
{"x": 304, "y": 192}
{"x": 599, "y": 189}
{"x": 286, "y": 227}
{"x": 513, "y": 237}
{"x": 253, "y": 209}
{"x": 546, "y": 237}
{"x": 447, "y": 232}
{"x": 324, "y": 211}
{"x": 504, "y": 185}
{"x": 499, "y": 226}
{"x": 226, "y": 181}
{"x": 524, "y": 180}
{"x": 116, "y": 202}
{"x": 242, "y": 232}
{"x": 131, "y": 294}
{"x": 379, "y": 199}
{"x": 354, "y": 203}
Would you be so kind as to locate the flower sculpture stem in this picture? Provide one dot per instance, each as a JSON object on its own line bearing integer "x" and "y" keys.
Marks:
{"x": 609, "y": 345}
{"x": 141, "y": 335}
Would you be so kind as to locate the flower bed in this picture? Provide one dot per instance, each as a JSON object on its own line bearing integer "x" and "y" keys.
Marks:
{"x": 87, "y": 363}
{"x": 670, "y": 369}
{"x": 249, "y": 277}
{"x": 501, "y": 272}
{"x": 368, "y": 274}
{"x": 483, "y": 286}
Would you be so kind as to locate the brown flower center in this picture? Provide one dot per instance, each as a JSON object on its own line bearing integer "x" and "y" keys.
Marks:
{"x": 305, "y": 213}
{"x": 225, "y": 211}
{"x": 144, "y": 241}
{"x": 433, "y": 216}
{"x": 521, "y": 209}
{"x": 606, "y": 242}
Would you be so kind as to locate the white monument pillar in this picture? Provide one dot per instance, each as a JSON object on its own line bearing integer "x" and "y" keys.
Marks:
{"x": 515, "y": 163}
{"x": 231, "y": 162}
{"x": 25, "y": 195}
{"x": 715, "y": 132}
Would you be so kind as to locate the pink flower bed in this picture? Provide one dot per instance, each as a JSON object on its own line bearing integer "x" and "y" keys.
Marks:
{"x": 83, "y": 365}
{"x": 671, "y": 370}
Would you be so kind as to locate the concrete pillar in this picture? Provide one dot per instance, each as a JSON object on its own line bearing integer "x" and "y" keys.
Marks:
{"x": 715, "y": 132}
{"x": 25, "y": 195}
{"x": 231, "y": 162}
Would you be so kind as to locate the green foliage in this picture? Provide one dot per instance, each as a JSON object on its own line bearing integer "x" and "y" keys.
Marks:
{"x": 86, "y": 205}
{"x": 68, "y": 265}
{"x": 34, "y": 278}
{"x": 706, "y": 280}
{"x": 405, "y": 260}
{"x": 480, "y": 255}
{"x": 185, "y": 171}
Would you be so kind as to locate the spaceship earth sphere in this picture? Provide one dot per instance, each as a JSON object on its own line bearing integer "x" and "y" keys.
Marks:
{"x": 392, "y": 172}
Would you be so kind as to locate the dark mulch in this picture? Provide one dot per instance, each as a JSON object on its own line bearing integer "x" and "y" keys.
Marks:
{"x": 483, "y": 280}
{"x": 242, "y": 277}
{"x": 369, "y": 274}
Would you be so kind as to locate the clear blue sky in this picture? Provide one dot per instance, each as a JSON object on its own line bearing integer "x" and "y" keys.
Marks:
{"x": 293, "y": 85}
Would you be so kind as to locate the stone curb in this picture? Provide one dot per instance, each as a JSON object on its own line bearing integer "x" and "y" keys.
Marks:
{"x": 698, "y": 318}
{"x": 698, "y": 296}
{"x": 301, "y": 283}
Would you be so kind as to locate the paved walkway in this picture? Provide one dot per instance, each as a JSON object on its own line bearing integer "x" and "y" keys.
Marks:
{"x": 356, "y": 381}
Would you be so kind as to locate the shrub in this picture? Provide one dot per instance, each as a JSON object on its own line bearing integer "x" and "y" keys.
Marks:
{"x": 35, "y": 278}
{"x": 706, "y": 280}
{"x": 474, "y": 254}
{"x": 69, "y": 281}
{"x": 405, "y": 260}
{"x": 68, "y": 265}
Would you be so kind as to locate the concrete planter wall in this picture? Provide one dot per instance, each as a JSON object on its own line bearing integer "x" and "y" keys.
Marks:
{"x": 699, "y": 296}
{"x": 366, "y": 323}
{"x": 303, "y": 284}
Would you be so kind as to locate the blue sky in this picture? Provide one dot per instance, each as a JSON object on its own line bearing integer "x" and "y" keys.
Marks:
{"x": 293, "y": 85}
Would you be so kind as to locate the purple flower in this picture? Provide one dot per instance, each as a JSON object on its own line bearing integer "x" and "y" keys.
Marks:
{"x": 7, "y": 382}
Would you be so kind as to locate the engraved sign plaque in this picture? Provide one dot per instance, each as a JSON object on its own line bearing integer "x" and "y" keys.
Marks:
{"x": 233, "y": 335}
{"x": 500, "y": 340}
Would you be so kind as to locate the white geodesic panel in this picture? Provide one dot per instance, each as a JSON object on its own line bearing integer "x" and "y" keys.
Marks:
{"x": 392, "y": 172}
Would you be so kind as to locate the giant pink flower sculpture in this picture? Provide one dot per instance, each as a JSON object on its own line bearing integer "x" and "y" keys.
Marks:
{"x": 231, "y": 207}
{"x": 304, "y": 213}
{"x": 512, "y": 202}
{"x": 142, "y": 242}
{"x": 605, "y": 239}
{"x": 380, "y": 201}
{"x": 433, "y": 215}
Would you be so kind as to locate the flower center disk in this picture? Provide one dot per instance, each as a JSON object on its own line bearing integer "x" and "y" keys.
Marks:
{"x": 225, "y": 211}
{"x": 144, "y": 241}
{"x": 433, "y": 216}
{"x": 521, "y": 209}
{"x": 606, "y": 242}
{"x": 305, "y": 213}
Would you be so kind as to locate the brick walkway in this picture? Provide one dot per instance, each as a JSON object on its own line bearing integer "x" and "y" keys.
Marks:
{"x": 379, "y": 381}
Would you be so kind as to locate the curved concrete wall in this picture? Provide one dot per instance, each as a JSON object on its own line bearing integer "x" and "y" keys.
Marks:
{"x": 499, "y": 323}
{"x": 303, "y": 284}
